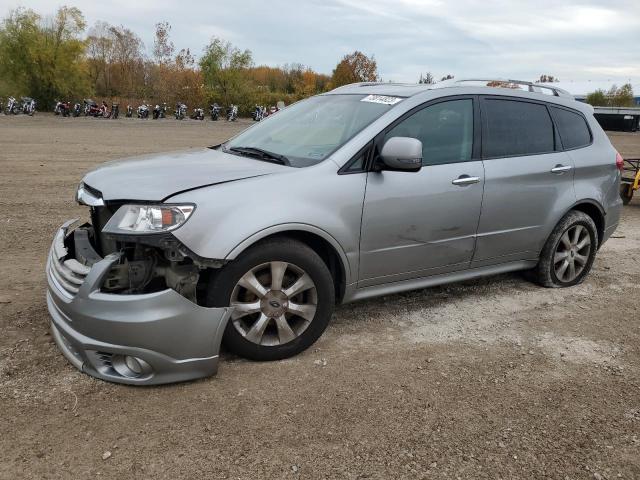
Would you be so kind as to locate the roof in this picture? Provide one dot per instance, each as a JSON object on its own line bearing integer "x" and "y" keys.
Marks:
{"x": 380, "y": 88}
{"x": 410, "y": 89}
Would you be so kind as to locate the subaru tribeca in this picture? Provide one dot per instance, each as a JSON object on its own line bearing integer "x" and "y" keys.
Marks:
{"x": 367, "y": 190}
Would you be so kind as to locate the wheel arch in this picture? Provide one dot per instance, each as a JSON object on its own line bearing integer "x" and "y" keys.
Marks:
{"x": 595, "y": 211}
{"x": 325, "y": 245}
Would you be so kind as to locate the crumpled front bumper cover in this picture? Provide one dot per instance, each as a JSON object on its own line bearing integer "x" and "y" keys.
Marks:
{"x": 177, "y": 339}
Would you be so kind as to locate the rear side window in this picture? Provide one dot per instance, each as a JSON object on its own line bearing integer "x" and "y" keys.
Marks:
{"x": 572, "y": 127}
{"x": 512, "y": 128}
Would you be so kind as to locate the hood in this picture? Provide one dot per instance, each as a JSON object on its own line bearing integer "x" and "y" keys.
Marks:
{"x": 158, "y": 176}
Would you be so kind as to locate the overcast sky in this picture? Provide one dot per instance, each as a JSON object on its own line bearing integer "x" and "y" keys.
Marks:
{"x": 574, "y": 40}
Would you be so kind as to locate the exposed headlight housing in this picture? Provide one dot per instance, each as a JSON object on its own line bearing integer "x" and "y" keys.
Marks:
{"x": 144, "y": 219}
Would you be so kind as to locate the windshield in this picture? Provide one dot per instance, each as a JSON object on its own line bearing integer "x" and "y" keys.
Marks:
{"x": 309, "y": 131}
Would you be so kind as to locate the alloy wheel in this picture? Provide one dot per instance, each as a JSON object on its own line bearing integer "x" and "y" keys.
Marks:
{"x": 572, "y": 253}
{"x": 274, "y": 303}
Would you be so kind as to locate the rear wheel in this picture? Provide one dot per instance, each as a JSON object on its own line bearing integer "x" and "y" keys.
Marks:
{"x": 569, "y": 252}
{"x": 626, "y": 192}
{"x": 283, "y": 296}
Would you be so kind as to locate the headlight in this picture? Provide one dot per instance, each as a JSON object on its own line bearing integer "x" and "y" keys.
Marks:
{"x": 141, "y": 219}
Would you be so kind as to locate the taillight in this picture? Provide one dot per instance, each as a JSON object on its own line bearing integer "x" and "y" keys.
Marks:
{"x": 619, "y": 161}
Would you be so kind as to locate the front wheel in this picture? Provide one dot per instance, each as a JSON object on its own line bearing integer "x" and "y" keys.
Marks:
{"x": 283, "y": 295}
{"x": 569, "y": 252}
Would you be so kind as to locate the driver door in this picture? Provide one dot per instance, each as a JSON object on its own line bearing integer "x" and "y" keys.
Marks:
{"x": 424, "y": 223}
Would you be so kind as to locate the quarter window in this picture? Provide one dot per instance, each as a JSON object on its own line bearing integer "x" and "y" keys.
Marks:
{"x": 514, "y": 128}
{"x": 445, "y": 130}
{"x": 572, "y": 127}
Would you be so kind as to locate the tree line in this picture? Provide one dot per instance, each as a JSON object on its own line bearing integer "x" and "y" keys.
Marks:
{"x": 56, "y": 57}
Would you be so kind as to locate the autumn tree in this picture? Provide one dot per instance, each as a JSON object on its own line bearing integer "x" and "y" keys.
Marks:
{"x": 42, "y": 56}
{"x": 115, "y": 61}
{"x": 621, "y": 97}
{"x": 163, "y": 48}
{"x": 224, "y": 69}
{"x": 355, "y": 67}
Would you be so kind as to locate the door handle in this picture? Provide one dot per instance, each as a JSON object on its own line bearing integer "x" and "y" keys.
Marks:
{"x": 464, "y": 180}
{"x": 561, "y": 168}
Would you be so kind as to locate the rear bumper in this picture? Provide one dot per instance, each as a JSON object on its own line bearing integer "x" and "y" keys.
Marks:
{"x": 176, "y": 339}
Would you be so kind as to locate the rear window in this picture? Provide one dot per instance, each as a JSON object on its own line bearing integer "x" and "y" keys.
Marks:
{"x": 513, "y": 128}
{"x": 573, "y": 128}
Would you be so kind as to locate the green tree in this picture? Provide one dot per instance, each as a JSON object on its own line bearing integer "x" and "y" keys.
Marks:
{"x": 355, "y": 67}
{"x": 597, "y": 98}
{"x": 43, "y": 57}
{"x": 427, "y": 78}
{"x": 224, "y": 69}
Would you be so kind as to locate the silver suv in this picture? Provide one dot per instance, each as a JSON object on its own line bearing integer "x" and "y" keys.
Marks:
{"x": 367, "y": 190}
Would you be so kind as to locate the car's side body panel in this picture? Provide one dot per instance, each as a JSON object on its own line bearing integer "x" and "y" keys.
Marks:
{"x": 229, "y": 216}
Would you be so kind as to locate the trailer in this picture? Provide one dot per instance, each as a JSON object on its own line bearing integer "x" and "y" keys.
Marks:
{"x": 624, "y": 119}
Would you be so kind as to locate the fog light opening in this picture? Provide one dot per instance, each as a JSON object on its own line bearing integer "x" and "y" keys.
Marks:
{"x": 130, "y": 366}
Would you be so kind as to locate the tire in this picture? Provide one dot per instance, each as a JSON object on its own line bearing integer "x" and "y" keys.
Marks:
{"x": 272, "y": 342}
{"x": 548, "y": 272}
{"x": 626, "y": 192}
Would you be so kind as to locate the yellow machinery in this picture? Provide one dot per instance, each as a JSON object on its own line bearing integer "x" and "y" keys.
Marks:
{"x": 630, "y": 179}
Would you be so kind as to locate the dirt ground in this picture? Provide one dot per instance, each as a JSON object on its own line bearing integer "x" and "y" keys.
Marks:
{"x": 495, "y": 378}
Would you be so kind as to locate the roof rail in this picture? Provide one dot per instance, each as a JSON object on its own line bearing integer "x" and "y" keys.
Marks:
{"x": 533, "y": 87}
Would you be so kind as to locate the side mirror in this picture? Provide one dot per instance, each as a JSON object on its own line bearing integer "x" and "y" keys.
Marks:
{"x": 402, "y": 154}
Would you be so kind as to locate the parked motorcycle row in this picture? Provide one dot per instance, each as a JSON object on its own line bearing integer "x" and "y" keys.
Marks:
{"x": 26, "y": 106}
{"x": 181, "y": 112}
{"x": 90, "y": 108}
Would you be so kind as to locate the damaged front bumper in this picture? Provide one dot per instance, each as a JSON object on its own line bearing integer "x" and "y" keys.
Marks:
{"x": 144, "y": 339}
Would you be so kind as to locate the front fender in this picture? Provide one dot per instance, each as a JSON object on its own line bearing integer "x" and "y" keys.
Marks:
{"x": 293, "y": 227}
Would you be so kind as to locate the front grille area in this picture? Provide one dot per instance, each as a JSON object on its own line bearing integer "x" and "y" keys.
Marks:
{"x": 68, "y": 273}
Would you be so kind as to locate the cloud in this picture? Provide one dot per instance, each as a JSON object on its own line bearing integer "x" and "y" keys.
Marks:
{"x": 575, "y": 40}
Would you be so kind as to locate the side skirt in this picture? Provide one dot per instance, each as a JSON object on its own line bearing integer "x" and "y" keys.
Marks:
{"x": 418, "y": 283}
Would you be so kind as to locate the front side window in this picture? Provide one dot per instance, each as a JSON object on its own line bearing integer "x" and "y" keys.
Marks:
{"x": 572, "y": 127}
{"x": 513, "y": 128}
{"x": 445, "y": 130}
{"x": 309, "y": 131}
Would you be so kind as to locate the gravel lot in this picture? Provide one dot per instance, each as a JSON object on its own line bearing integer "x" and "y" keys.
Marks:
{"x": 495, "y": 378}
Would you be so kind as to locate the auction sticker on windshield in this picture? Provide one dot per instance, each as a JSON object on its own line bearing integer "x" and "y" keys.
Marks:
{"x": 381, "y": 99}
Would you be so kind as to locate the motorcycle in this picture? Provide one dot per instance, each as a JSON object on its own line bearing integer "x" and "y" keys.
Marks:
{"x": 77, "y": 110}
{"x": 258, "y": 113}
{"x": 214, "y": 111}
{"x": 143, "y": 111}
{"x": 129, "y": 113}
{"x": 198, "y": 114}
{"x": 232, "y": 113}
{"x": 160, "y": 111}
{"x": 64, "y": 109}
{"x": 115, "y": 111}
{"x": 12, "y": 107}
{"x": 58, "y": 108}
{"x": 90, "y": 108}
{"x": 28, "y": 106}
{"x": 181, "y": 111}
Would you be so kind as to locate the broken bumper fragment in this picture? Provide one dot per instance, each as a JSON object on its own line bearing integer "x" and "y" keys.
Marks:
{"x": 144, "y": 339}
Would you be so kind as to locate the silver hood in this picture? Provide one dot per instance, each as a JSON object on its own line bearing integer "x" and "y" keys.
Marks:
{"x": 159, "y": 176}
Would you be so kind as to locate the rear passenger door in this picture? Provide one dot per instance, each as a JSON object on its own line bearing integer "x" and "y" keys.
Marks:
{"x": 528, "y": 180}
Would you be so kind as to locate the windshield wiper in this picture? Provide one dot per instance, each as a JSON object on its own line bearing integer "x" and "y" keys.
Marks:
{"x": 265, "y": 155}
